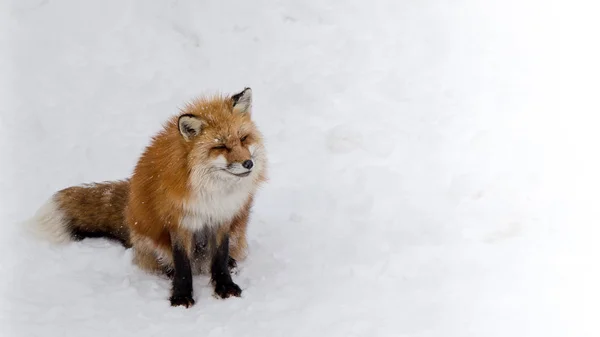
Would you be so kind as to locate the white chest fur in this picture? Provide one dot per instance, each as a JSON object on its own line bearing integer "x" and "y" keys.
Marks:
{"x": 215, "y": 206}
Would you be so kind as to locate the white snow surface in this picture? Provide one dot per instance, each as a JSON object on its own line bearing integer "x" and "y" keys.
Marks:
{"x": 433, "y": 164}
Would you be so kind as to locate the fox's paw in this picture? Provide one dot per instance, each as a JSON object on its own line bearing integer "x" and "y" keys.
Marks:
{"x": 225, "y": 290}
{"x": 182, "y": 300}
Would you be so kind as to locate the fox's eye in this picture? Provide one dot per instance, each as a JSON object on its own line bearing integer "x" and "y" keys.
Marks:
{"x": 243, "y": 139}
{"x": 219, "y": 147}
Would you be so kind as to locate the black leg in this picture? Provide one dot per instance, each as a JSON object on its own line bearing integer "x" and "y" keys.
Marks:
{"x": 182, "y": 278}
{"x": 232, "y": 263}
{"x": 170, "y": 273}
{"x": 221, "y": 277}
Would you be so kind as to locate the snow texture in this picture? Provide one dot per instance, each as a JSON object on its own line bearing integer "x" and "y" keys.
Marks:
{"x": 433, "y": 164}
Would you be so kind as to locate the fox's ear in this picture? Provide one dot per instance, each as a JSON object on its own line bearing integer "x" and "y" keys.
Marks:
{"x": 242, "y": 102}
{"x": 189, "y": 126}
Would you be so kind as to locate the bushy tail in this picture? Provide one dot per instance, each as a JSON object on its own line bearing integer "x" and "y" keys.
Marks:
{"x": 89, "y": 211}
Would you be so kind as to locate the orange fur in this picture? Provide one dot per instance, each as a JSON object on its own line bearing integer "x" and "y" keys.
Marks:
{"x": 174, "y": 191}
{"x": 160, "y": 185}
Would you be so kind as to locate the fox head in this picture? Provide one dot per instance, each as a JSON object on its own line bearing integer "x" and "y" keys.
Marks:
{"x": 223, "y": 142}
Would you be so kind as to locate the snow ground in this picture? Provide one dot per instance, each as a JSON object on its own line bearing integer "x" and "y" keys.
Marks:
{"x": 433, "y": 169}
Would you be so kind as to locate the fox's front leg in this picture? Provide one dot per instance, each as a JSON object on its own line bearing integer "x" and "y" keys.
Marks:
{"x": 182, "y": 292}
{"x": 220, "y": 275}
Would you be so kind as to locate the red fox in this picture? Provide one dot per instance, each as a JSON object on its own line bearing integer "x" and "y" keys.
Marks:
{"x": 186, "y": 207}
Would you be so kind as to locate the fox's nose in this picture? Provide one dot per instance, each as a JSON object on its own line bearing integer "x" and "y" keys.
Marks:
{"x": 247, "y": 164}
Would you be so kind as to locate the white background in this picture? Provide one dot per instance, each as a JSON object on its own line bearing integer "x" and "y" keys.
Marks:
{"x": 433, "y": 164}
